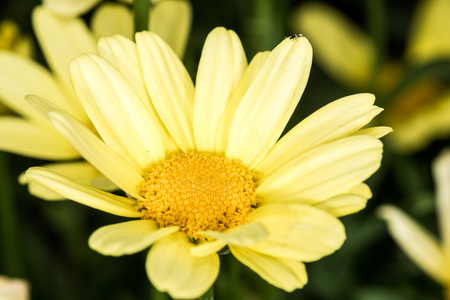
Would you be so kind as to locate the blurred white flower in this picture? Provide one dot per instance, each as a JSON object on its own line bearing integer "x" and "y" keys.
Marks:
{"x": 13, "y": 289}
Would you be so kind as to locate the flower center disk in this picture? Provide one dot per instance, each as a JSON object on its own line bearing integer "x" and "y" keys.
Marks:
{"x": 198, "y": 191}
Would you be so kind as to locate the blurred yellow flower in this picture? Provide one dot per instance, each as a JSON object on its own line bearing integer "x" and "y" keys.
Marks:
{"x": 203, "y": 166}
{"x": 12, "y": 40}
{"x": 419, "y": 114}
{"x": 61, "y": 39}
{"x": 432, "y": 256}
{"x": 170, "y": 19}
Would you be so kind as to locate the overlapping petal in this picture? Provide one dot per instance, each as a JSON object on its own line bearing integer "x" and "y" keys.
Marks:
{"x": 172, "y": 268}
{"x": 377, "y": 131}
{"x": 347, "y": 203}
{"x": 14, "y": 86}
{"x": 25, "y": 138}
{"x": 102, "y": 157}
{"x": 69, "y": 8}
{"x": 79, "y": 171}
{"x": 82, "y": 193}
{"x": 244, "y": 235}
{"x": 111, "y": 19}
{"x": 169, "y": 86}
{"x": 171, "y": 20}
{"x": 127, "y": 237}
{"x": 118, "y": 114}
{"x": 336, "y": 120}
{"x": 298, "y": 231}
{"x": 61, "y": 40}
{"x": 122, "y": 54}
{"x": 221, "y": 67}
{"x": 324, "y": 171}
{"x": 269, "y": 101}
{"x": 224, "y": 125}
{"x": 286, "y": 274}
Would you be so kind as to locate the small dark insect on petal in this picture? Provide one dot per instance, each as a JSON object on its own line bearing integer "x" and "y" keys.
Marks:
{"x": 295, "y": 35}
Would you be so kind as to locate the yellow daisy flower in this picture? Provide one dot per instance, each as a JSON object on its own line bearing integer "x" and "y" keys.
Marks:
{"x": 170, "y": 19}
{"x": 432, "y": 256}
{"x": 11, "y": 39}
{"x": 61, "y": 39}
{"x": 419, "y": 113}
{"x": 216, "y": 175}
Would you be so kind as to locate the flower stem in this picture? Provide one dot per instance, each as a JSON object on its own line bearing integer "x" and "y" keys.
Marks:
{"x": 141, "y": 15}
{"x": 209, "y": 295}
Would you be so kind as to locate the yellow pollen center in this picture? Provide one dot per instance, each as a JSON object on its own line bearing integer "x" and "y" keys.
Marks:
{"x": 198, "y": 191}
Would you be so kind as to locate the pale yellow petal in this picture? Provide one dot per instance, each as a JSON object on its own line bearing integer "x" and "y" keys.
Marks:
{"x": 298, "y": 231}
{"x": 441, "y": 174}
{"x": 348, "y": 202}
{"x": 269, "y": 101}
{"x": 103, "y": 158}
{"x": 224, "y": 125}
{"x": 340, "y": 47}
{"x": 26, "y": 138}
{"x": 111, "y": 164}
{"x": 172, "y": 269}
{"x": 361, "y": 189}
{"x": 62, "y": 39}
{"x": 377, "y": 132}
{"x": 428, "y": 38}
{"x": 336, "y": 120}
{"x": 69, "y": 8}
{"x": 122, "y": 53}
{"x": 423, "y": 126}
{"x": 287, "y": 274}
{"x": 244, "y": 235}
{"x": 221, "y": 67}
{"x": 82, "y": 193}
{"x": 111, "y": 19}
{"x": 127, "y": 237}
{"x": 419, "y": 244}
{"x": 169, "y": 86}
{"x": 324, "y": 171}
{"x": 80, "y": 171}
{"x": 20, "y": 76}
{"x": 343, "y": 205}
{"x": 208, "y": 248}
{"x": 118, "y": 114}
{"x": 171, "y": 20}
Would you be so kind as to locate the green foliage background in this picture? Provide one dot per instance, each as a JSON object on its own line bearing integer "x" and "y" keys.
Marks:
{"x": 46, "y": 243}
